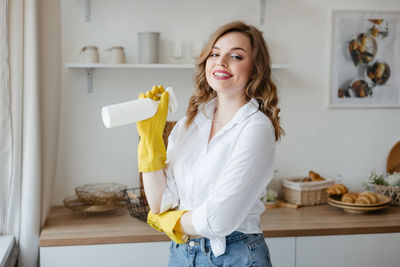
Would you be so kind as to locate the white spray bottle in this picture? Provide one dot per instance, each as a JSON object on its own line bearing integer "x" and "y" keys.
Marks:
{"x": 135, "y": 110}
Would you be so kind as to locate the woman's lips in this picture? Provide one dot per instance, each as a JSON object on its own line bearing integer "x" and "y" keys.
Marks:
{"x": 221, "y": 75}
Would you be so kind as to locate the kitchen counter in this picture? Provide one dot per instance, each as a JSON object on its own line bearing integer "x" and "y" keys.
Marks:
{"x": 66, "y": 228}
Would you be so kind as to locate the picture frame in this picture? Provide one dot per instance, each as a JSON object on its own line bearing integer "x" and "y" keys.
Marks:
{"x": 365, "y": 59}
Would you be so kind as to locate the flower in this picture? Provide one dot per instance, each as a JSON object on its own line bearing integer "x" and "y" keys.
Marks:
{"x": 394, "y": 179}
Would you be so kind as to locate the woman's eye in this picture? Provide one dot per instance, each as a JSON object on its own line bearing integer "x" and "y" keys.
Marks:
{"x": 237, "y": 57}
{"x": 213, "y": 54}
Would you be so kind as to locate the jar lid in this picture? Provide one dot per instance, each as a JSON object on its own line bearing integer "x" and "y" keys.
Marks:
{"x": 152, "y": 33}
{"x": 89, "y": 47}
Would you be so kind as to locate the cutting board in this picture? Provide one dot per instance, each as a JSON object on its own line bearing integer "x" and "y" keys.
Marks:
{"x": 393, "y": 160}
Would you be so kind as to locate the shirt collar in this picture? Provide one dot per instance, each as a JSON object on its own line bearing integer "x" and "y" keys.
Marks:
{"x": 206, "y": 112}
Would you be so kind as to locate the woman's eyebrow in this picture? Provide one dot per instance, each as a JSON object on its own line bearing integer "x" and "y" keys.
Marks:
{"x": 232, "y": 49}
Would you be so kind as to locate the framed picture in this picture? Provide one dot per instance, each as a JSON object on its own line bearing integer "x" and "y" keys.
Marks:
{"x": 365, "y": 64}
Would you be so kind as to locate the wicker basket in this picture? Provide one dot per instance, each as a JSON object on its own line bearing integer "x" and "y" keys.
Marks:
{"x": 391, "y": 191}
{"x": 106, "y": 194}
{"x": 305, "y": 193}
{"x": 137, "y": 204}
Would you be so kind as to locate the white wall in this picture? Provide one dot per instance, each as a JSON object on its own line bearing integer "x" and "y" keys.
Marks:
{"x": 50, "y": 82}
{"x": 349, "y": 142}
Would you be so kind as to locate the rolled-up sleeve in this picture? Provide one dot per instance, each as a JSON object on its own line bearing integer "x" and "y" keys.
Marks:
{"x": 170, "y": 198}
{"x": 240, "y": 185}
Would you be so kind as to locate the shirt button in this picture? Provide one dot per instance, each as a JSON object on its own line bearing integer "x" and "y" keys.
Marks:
{"x": 191, "y": 243}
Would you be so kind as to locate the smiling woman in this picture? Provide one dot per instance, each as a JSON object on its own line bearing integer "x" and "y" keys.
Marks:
{"x": 259, "y": 85}
{"x": 220, "y": 157}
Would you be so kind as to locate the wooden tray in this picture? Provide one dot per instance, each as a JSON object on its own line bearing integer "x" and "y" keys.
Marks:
{"x": 393, "y": 160}
{"x": 383, "y": 201}
{"x": 73, "y": 203}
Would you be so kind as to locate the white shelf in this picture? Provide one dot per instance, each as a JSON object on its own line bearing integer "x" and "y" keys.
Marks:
{"x": 145, "y": 66}
{"x": 89, "y": 67}
{"x": 128, "y": 66}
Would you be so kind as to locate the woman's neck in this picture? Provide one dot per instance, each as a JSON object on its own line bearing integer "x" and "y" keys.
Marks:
{"x": 227, "y": 108}
{"x": 224, "y": 112}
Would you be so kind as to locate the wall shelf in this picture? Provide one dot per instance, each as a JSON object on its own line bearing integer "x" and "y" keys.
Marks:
{"x": 89, "y": 67}
{"x": 128, "y": 66}
{"x": 145, "y": 66}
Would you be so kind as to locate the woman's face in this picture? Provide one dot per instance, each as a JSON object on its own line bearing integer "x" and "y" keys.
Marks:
{"x": 230, "y": 64}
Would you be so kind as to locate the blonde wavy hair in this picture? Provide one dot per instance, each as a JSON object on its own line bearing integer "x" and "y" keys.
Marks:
{"x": 261, "y": 87}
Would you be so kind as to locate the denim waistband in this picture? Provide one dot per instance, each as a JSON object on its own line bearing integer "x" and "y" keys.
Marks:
{"x": 203, "y": 243}
{"x": 235, "y": 236}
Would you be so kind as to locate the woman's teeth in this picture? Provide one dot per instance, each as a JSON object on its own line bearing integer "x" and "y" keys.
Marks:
{"x": 221, "y": 74}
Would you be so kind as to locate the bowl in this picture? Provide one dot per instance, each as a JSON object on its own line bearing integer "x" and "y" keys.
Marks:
{"x": 378, "y": 73}
{"x": 360, "y": 88}
{"x": 362, "y": 49}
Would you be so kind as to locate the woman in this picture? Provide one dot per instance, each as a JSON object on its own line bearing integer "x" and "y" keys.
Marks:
{"x": 206, "y": 196}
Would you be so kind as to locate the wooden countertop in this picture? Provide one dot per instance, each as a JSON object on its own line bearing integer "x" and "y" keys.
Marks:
{"x": 65, "y": 228}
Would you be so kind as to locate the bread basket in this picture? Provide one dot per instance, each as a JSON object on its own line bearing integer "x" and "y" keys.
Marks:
{"x": 305, "y": 193}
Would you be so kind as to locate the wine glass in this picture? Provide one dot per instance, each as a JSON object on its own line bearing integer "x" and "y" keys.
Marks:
{"x": 195, "y": 49}
{"x": 177, "y": 50}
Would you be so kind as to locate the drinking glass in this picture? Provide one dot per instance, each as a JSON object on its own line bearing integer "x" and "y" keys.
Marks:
{"x": 177, "y": 50}
{"x": 195, "y": 49}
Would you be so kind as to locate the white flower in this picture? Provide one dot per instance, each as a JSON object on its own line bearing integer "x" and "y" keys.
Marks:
{"x": 394, "y": 179}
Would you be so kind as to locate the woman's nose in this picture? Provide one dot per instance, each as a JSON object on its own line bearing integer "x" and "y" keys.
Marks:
{"x": 222, "y": 61}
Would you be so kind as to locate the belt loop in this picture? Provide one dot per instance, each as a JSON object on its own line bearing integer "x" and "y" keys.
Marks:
{"x": 203, "y": 245}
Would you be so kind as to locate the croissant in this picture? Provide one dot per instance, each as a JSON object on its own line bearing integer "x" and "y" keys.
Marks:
{"x": 315, "y": 176}
{"x": 367, "y": 198}
{"x": 336, "y": 189}
{"x": 349, "y": 197}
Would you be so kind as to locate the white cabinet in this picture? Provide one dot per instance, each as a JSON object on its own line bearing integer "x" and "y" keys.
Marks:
{"x": 348, "y": 250}
{"x": 369, "y": 250}
{"x": 142, "y": 254}
{"x": 112, "y": 255}
{"x": 282, "y": 251}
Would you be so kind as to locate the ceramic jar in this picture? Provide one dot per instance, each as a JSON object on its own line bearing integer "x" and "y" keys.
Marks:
{"x": 90, "y": 54}
{"x": 117, "y": 55}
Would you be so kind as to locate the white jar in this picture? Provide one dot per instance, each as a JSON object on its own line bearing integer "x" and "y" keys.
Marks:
{"x": 135, "y": 110}
{"x": 117, "y": 55}
{"x": 90, "y": 54}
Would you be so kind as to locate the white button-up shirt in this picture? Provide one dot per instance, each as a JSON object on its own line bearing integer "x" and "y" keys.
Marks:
{"x": 221, "y": 181}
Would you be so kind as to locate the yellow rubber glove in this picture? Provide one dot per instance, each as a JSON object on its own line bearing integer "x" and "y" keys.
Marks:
{"x": 151, "y": 149}
{"x": 166, "y": 222}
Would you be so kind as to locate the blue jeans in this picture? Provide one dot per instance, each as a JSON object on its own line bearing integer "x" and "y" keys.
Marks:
{"x": 241, "y": 250}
